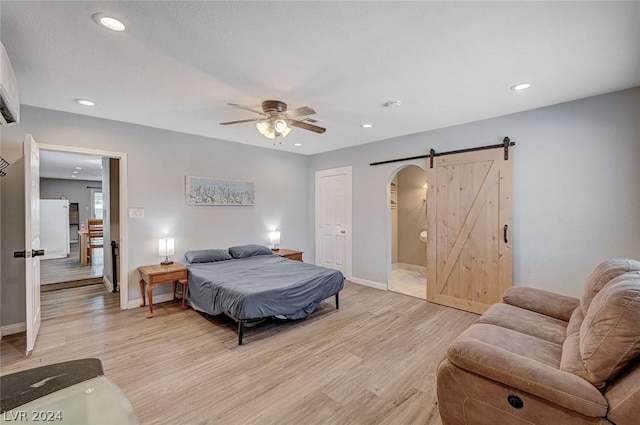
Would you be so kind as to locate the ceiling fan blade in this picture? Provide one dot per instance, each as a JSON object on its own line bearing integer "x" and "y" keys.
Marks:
{"x": 238, "y": 122}
{"x": 299, "y": 112}
{"x": 307, "y": 126}
{"x": 246, "y": 108}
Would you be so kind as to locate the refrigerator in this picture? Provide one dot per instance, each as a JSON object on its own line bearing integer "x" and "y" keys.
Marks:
{"x": 54, "y": 228}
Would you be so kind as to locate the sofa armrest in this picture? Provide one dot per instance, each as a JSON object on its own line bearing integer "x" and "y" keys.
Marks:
{"x": 543, "y": 302}
{"x": 528, "y": 375}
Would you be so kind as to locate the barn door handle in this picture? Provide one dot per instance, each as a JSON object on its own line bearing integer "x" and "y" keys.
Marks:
{"x": 506, "y": 229}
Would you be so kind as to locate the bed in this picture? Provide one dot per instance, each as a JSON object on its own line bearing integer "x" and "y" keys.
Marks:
{"x": 249, "y": 283}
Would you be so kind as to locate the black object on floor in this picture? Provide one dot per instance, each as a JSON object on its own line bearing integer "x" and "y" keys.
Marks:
{"x": 20, "y": 388}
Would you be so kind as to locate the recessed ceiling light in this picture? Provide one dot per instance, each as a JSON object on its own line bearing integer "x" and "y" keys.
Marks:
{"x": 78, "y": 168}
{"x": 393, "y": 103}
{"x": 73, "y": 176}
{"x": 75, "y": 172}
{"x": 85, "y": 102}
{"x": 297, "y": 144}
{"x": 366, "y": 125}
{"x": 108, "y": 22}
{"x": 521, "y": 86}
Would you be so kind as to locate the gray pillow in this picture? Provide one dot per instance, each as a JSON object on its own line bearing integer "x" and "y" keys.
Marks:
{"x": 245, "y": 251}
{"x": 207, "y": 255}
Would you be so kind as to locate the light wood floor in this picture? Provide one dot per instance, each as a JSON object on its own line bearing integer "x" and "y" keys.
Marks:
{"x": 69, "y": 269}
{"x": 371, "y": 362}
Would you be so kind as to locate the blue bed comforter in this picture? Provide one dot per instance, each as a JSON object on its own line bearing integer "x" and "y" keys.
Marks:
{"x": 261, "y": 286}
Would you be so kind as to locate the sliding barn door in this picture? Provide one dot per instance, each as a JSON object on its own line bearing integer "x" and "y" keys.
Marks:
{"x": 469, "y": 222}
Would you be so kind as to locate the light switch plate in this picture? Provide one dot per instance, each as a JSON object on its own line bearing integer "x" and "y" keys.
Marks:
{"x": 136, "y": 212}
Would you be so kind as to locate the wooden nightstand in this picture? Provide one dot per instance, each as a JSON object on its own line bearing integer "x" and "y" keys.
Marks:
{"x": 289, "y": 253}
{"x": 156, "y": 274}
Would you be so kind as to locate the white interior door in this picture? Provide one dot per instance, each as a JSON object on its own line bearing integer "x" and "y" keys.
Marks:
{"x": 333, "y": 219}
{"x": 32, "y": 238}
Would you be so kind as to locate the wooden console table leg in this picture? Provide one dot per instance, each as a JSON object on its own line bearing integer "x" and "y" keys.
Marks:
{"x": 142, "y": 292}
{"x": 150, "y": 294}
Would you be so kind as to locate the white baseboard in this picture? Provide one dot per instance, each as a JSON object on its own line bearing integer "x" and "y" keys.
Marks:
{"x": 107, "y": 283}
{"x": 369, "y": 283}
{"x": 156, "y": 299}
{"x": 16, "y": 328}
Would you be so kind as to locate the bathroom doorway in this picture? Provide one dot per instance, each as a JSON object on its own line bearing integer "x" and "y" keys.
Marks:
{"x": 408, "y": 210}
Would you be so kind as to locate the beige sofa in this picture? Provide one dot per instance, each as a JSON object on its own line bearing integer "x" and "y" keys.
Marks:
{"x": 546, "y": 359}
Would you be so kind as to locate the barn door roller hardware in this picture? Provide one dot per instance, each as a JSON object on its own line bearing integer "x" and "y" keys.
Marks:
{"x": 506, "y": 143}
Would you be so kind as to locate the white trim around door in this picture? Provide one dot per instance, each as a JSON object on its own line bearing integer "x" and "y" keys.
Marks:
{"x": 123, "y": 245}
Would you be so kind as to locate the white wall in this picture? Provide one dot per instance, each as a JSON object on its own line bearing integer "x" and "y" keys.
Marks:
{"x": 158, "y": 161}
{"x": 576, "y": 187}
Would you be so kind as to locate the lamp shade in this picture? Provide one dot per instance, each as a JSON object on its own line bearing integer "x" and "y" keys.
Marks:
{"x": 165, "y": 247}
{"x": 274, "y": 237}
{"x": 262, "y": 126}
{"x": 279, "y": 125}
{"x": 285, "y": 132}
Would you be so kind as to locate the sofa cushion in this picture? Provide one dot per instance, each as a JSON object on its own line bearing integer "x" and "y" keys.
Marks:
{"x": 623, "y": 396}
{"x": 571, "y": 360}
{"x": 522, "y": 345}
{"x": 575, "y": 322}
{"x": 525, "y": 321}
{"x": 603, "y": 274}
{"x": 610, "y": 331}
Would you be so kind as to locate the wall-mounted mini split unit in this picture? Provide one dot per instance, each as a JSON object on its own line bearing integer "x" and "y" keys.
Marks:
{"x": 9, "y": 102}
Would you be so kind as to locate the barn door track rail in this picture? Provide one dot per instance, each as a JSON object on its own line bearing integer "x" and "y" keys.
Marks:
{"x": 506, "y": 143}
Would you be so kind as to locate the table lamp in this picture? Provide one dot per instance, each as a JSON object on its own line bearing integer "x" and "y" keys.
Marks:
{"x": 274, "y": 238}
{"x": 165, "y": 247}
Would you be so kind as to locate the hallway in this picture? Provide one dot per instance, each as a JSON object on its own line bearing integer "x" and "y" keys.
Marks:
{"x": 69, "y": 269}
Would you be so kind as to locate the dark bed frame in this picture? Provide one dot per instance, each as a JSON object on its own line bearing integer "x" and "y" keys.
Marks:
{"x": 242, "y": 322}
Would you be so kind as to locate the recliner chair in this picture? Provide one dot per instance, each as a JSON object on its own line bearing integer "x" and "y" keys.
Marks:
{"x": 546, "y": 359}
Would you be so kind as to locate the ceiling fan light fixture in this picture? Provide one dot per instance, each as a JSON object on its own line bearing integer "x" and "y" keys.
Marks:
{"x": 280, "y": 125}
{"x": 285, "y": 132}
{"x": 262, "y": 127}
{"x": 270, "y": 133}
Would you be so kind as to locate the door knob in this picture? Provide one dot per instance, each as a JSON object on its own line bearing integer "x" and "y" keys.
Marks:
{"x": 343, "y": 231}
{"x": 27, "y": 254}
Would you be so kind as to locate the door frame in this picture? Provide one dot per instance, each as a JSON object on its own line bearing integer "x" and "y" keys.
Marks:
{"x": 393, "y": 174}
{"x": 123, "y": 236}
{"x": 349, "y": 214}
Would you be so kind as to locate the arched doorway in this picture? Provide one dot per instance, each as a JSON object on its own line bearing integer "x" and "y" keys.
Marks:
{"x": 408, "y": 224}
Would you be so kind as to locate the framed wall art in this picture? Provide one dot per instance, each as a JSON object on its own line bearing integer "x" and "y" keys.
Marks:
{"x": 209, "y": 191}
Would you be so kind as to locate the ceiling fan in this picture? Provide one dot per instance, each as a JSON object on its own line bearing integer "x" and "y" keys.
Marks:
{"x": 276, "y": 121}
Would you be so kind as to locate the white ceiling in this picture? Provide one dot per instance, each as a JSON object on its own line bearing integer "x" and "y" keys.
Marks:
{"x": 61, "y": 165}
{"x": 179, "y": 63}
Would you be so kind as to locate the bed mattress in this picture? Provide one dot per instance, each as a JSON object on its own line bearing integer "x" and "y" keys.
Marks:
{"x": 261, "y": 286}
